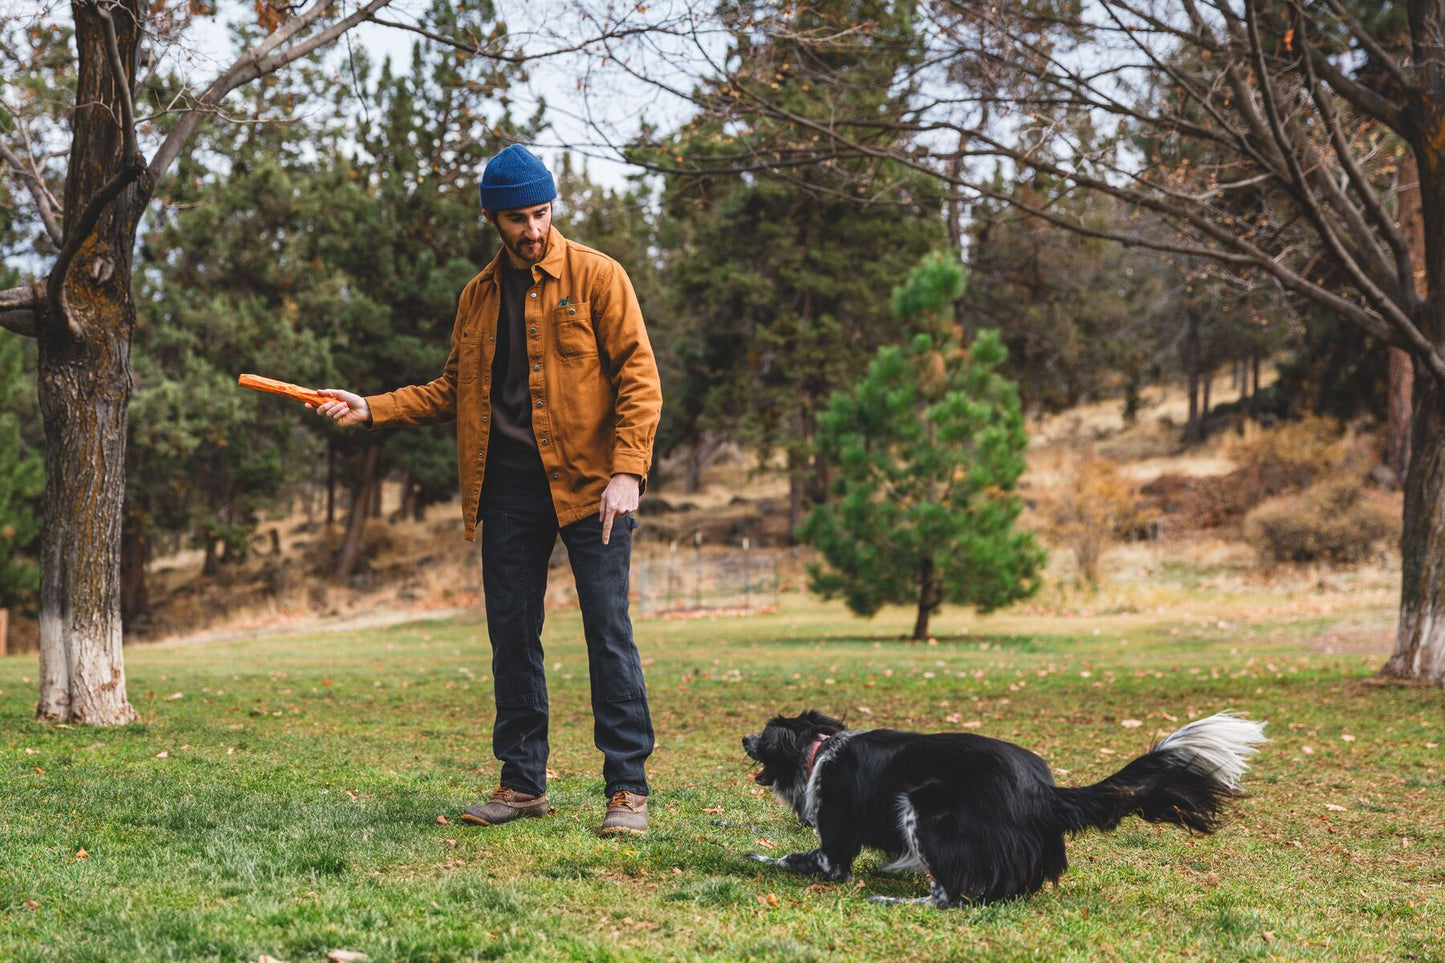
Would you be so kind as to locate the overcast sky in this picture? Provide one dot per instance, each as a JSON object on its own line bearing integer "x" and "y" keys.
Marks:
{"x": 591, "y": 104}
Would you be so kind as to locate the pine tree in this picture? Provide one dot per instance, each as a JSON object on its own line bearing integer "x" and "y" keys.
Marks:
{"x": 780, "y": 277}
{"x": 22, "y": 467}
{"x": 928, "y": 449}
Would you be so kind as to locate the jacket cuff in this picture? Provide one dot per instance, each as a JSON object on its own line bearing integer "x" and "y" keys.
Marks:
{"x": 630, "y": 463}
{"x": 383, "y": 410}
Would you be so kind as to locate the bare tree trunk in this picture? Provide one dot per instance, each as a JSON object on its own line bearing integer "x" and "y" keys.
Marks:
{"x": 1254, "y": 380}
{"x": 330, "y": 483}
{"x": 361, "y": 504}
{"x": 84, "y": 389}
{"x": 797, "y": 485}
{"x": 693, "y": 473}
{"x": 1204, "y": 402}
{"x": 133, "y": 552}
{"x": 1400, "y": 386}
{"x": 1192, "y": 354}
{"x": 211, "y": 560}
{"x": 1420, "y": 639}
{"x": 927, "y": 593}
{"x": 958, "y": 231}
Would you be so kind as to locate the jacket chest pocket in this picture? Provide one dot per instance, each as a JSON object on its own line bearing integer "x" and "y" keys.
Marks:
{"x": 572, "y": 332}
{"x": 469, "y": 359}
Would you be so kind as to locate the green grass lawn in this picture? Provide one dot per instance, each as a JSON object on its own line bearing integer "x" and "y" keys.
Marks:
{"x": 283, "y": 796}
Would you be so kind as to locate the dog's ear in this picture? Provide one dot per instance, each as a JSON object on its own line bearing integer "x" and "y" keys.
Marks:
{"x": 823, "y": 724}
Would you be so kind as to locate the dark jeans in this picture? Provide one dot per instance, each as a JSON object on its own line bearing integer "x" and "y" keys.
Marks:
{"x": 519, "y": 529}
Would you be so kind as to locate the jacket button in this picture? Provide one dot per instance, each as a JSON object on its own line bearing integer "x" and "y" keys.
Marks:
{"x": 539, "y": 404}
{"x": 536, "y": 367}
{"x": 555, "y": 476}
{"x": 546, "y": 442}
{"x": 464, "y": 332}
{"x": 532, "y": 295}
{"x": 532, "y": 330}
{"x": 571, "y": 311}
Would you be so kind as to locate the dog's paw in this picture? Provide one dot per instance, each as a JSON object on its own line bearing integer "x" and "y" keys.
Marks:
{"x": 897, "y": 901}
{"x": 765, "y": 860}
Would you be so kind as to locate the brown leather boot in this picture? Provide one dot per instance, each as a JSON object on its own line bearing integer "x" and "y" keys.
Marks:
{"x": 626, "y": 813}
{"x": 506, "y": 805}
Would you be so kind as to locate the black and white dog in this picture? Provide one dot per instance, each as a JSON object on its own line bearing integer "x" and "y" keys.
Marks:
{"x": 981, "y": 816}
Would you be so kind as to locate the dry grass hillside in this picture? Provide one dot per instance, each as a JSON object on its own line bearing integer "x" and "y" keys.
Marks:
{"x": 1170, "y": 511}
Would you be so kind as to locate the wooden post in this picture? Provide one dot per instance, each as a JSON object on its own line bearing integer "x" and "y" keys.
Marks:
{"x": 4, "y": 630}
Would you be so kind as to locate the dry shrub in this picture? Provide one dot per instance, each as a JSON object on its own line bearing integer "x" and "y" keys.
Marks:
{"x": 1335, "y": 521}
{"x": 379, "y": 542}
{"x": 1094, "y": 507}
{"x": 1288, "y": 458}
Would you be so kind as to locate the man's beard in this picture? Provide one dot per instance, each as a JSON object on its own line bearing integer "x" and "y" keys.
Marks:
{"x": 519, "y": 252}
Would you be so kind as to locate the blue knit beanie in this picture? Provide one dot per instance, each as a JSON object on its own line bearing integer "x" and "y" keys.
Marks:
{"x": 516, "y": 178}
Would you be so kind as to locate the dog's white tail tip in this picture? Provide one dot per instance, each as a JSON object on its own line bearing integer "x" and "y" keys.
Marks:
{"x": 1222, "y": 743}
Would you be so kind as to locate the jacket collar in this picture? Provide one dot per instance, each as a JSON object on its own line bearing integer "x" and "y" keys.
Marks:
{"x": 551, "y": 263}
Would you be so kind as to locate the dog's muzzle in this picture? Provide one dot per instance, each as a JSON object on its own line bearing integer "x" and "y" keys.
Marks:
{"x": 750, "y": 745}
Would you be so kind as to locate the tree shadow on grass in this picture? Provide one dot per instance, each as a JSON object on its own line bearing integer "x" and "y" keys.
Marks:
{"x": 1031, "y": 642}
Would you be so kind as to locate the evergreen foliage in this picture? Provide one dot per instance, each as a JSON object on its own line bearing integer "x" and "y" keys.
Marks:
{"x": 22, "y": 467}
{"x": 928, "y": 450}
{"x": 780, "y": 271}
{"x": 325, "y": 248}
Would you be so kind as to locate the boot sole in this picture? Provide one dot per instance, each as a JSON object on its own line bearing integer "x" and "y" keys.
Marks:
{"x": 479, "y": 821}
{"x": 621, "y": 831}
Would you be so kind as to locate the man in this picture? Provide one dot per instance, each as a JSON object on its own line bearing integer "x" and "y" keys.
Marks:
{"x": 554, "y": 388}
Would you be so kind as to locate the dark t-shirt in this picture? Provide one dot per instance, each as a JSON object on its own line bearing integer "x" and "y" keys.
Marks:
{"x": 512, "y": 446}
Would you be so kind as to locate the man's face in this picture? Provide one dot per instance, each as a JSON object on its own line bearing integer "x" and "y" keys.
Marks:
{"x": 524, "y": 231}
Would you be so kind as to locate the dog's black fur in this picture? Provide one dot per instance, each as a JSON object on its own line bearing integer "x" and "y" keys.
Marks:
{"x": 981, "y": 816}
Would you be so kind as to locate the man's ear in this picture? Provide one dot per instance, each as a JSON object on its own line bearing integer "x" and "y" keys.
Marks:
{"x": 491, "y": 218}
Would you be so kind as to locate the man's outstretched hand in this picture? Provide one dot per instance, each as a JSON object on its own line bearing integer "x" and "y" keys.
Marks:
{"x": 618, "y": 498}
{"x": 347, "y": 410}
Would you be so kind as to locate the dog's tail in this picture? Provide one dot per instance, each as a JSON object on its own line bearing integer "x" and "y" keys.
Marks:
{"x": 1185, "y": 779}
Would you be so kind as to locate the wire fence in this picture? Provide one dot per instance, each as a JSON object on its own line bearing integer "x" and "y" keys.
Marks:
{"x": 682, "y": 576}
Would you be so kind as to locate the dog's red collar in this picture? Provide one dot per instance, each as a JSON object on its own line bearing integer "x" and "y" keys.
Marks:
{"x": 813, "y": 754}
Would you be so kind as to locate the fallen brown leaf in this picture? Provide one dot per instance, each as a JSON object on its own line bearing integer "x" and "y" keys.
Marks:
{"x": 346, "y": 956}
{"x": 442, "y": 820}
{"x": 31, "y": 904}
{"x": 82, "y": 854}
{"x": 764, "y": 842}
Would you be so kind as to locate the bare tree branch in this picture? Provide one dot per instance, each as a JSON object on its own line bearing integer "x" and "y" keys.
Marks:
{"x": 1377, "y": 52}
{"x": 29, "y": 174}
{"x": 1344, "y": 255}
{"x": 1362, "y": 98}
{"x": 260, "y": 60}
{"x": 21, "y": 309}
{"x": 501, "y": 56}
{"x": 1374, "y": 207}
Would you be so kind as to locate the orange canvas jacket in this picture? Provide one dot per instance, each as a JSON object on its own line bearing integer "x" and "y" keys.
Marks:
{"x": 596, "y": 395}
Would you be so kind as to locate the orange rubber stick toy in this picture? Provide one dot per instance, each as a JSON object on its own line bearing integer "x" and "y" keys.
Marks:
{"x": 258, "y": 383}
